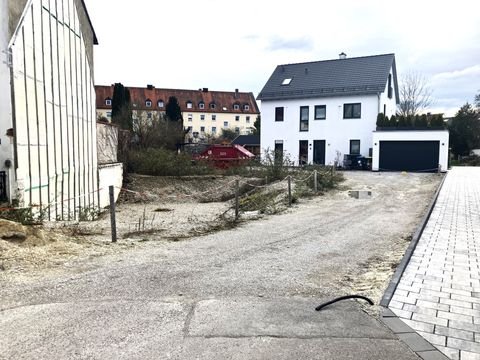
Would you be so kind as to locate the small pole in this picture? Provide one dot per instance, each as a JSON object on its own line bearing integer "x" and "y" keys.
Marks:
{"x": 289, "y": 190}
{"x": 315, "y": 184}
{"x": 237, "y": 186}
{"x": 112, "y": 214}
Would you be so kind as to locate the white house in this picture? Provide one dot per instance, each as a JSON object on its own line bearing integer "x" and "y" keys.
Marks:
{"x": 48, "y": 140}
{"x": 319, "y": 111}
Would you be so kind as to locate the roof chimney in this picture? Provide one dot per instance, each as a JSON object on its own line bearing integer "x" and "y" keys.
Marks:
{"x": 236, "y": 93}
{"x": 342, "y": 55}
{"x": 150, "y": 87}
{"x": 205, "y": 89}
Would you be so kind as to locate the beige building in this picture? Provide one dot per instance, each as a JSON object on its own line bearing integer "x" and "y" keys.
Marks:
{"x": 48, "y": 139}
{"x": 205, "y": 112}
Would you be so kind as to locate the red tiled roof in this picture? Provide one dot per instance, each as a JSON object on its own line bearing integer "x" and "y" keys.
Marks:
{"x": 221, "y": 99}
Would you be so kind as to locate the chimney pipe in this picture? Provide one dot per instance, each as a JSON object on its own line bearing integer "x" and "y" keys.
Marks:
{"x": 342, "y": 55}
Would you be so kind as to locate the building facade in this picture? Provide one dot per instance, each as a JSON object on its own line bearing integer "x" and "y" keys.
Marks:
{"x": 204, "y": 111}
{"x": 317, "y": 112}
{"x": 47, "y": 109}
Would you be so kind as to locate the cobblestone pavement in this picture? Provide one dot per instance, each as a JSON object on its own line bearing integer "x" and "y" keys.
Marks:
{"x": 439, "y": 292}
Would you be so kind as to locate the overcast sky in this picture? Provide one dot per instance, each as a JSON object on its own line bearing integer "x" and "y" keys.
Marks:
{"x": 224, "y": 45}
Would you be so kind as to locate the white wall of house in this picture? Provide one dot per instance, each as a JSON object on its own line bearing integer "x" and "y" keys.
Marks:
{"x": 386, "y": 103}
{"x": 6, "y": 149}
{"x": 335, "y": 130}
{"x": 54, "y": 106}
{"x": 442, "y": 136}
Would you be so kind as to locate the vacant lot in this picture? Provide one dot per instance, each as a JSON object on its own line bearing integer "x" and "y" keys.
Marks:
{"x": 250, "y": 290}
{"x": 374, "y": 229}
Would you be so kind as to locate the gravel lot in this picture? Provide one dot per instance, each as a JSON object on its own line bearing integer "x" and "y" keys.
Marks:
{"x": 232, "y": 292}
{"x": 244, "y": 293}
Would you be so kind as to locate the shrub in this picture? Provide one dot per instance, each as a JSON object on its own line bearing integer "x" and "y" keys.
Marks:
{"x": 165, "y": 163}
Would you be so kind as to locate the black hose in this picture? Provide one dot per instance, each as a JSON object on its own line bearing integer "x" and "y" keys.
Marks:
{"x": 321, "y": 306}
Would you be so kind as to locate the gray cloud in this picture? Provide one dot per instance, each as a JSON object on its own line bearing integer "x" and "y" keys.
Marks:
{"x": 278, "y": 43}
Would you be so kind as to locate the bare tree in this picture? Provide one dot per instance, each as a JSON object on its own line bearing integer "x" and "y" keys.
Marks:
{"x": 154, "y": 130}
{"x": 415, "y": 94}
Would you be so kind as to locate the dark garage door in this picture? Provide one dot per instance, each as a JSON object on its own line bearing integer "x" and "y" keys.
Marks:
{"x": 409, "y": 155}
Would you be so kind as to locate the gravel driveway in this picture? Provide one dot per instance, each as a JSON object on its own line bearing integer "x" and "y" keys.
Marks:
{"x": 245, "y": 293}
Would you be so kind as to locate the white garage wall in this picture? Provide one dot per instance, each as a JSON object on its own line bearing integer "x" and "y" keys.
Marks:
{"x": 411, "y": 135}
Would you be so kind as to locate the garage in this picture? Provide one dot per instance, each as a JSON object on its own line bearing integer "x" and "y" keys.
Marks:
{"x": 409, "y": 155}
{"x": 410, "y": 150}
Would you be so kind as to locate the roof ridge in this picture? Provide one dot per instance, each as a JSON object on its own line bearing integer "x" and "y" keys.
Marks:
{"x": 172, "y": 89}
{"x": 328, "y": 60}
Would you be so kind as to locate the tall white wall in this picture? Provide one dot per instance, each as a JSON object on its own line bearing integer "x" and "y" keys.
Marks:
{"x": 6, "y": 149}
{"x": 54, "y": 102}
{"x": 335, "y": 130}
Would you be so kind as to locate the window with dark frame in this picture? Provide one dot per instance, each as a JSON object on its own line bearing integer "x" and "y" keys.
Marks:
{"x": 304, "y": 118}
{"x": 355, "y": 147}
{"x": 320, "y": 112}
{"x": 279, "y": 114}
{"x": 390, "y": 89}
{"x": 352, "y": 111}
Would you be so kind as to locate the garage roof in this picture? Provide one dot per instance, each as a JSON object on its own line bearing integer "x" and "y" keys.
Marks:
{"x": 344, "y": 76}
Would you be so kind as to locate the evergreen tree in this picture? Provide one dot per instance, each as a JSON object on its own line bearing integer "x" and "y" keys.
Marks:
{"x": 121, "y": 107}
{"x": 465, "y": 131}
{"x": 173, "y": 110}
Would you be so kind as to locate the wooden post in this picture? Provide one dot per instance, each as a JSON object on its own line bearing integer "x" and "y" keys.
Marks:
{"x": 315, "y": 184}
{"x": 237, "y": 185}
{"x": 289, "y": 190}
{"x": 112, "y": 214}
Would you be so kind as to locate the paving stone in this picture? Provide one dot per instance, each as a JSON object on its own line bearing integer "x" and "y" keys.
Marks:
{"x": 463, "y": 345}
{"x": 456, "y": 333}
{"x": 419, "y": 325}
{"x": 433, "y": 305}
{"x": 404, "y": 314}
{"x": 453, "y": 354}
{"x": 442, "y": 280}
{"x": 397, "y": 325}
{"x": 464, "y": 304}
{"x": 453, "y": 316}
{"x": 467, "y": 355}
{"x": 432, "y": 355}
{"x": 430, "y": 319}
{"x": 464, "y": 311}
{"x": 434, "y": 339}
{"x": 416, "y": 342}
{"x": 463, "y": 326}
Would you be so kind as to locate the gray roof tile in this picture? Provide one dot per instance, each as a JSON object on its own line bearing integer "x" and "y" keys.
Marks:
{"x": 350, "y": 76}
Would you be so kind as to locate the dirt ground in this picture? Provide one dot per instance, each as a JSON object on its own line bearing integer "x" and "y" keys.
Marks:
{"x": 170, "y": 209}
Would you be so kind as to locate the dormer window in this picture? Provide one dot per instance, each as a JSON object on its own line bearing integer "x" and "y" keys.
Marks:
{"x": 189, "y": 104}
{"x": 201, "y": 105}
{"x": 108, "y": 102}
{"x": 148, "y": 103}
{"x": 287, "y": 81}
{"x": 246, "y": 107}
{"x": 212, "y": 105}
{"x": 236, "y": 107}
{"x": 160, "y": 103}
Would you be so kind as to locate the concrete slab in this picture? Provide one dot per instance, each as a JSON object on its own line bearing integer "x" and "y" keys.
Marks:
{"x": 288, "y": 318}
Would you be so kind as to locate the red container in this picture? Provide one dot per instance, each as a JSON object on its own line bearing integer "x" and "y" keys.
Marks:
{"x": 225, "y": 156}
